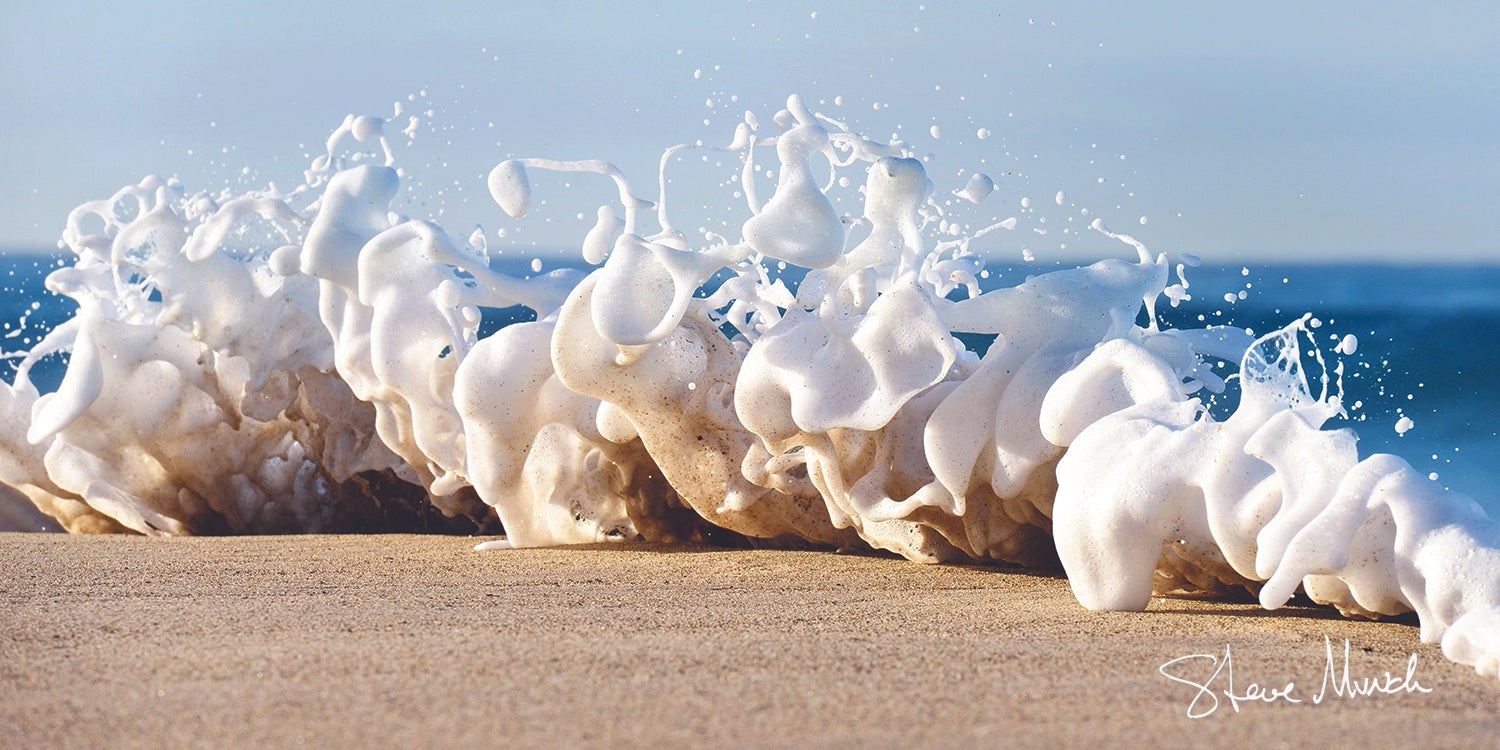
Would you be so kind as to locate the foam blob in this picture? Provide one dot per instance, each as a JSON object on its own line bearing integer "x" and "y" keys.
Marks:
{"x": 1404, "y": 425}
{"x": 511, "y": 188}
{"x": 979, "y": 188}
{"x": 798, "y": 224}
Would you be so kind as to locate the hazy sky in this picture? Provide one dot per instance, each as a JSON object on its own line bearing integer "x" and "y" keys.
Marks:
{"x": 1344, "y": 130}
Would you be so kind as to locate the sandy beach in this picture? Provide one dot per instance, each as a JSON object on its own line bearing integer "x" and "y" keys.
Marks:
{"x": 418, "y": 641}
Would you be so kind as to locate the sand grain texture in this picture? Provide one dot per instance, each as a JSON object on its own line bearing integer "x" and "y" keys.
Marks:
{"x": 409, "y": 641}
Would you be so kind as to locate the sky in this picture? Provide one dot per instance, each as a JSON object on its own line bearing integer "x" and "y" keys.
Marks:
{"x": 1331, "y": 131}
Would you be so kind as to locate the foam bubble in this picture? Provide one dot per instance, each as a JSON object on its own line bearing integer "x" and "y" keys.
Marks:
{"x": 979, "y": 187}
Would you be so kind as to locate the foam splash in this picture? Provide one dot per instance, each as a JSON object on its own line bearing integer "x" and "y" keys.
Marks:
{"x": 311, "y": 361}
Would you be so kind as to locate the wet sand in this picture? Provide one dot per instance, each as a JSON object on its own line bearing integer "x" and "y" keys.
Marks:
{"x": 409, "y": 641}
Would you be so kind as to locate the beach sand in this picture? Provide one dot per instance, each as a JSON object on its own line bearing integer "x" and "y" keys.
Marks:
{"x": 418, "y": 641}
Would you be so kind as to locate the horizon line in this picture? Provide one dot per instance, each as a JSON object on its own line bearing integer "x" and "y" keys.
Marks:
{"x": 571, "y": 259}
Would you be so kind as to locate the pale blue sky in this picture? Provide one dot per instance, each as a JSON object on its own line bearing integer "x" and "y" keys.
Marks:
{"x": 1345, "y": 130}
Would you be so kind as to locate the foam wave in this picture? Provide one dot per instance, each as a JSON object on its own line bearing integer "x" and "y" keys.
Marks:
{"x": 311, "y": 361}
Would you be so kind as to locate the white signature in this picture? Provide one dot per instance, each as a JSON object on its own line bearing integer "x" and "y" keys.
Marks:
{"x": 1219, "y": 681}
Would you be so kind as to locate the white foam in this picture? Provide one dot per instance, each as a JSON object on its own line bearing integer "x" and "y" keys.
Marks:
{"x": 335, "y": 366}
{"x": 979, "y": 187}
{"x": 1404, "y": 425}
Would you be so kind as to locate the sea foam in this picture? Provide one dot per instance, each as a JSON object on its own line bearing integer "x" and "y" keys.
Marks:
{"x": 310, "y": 360}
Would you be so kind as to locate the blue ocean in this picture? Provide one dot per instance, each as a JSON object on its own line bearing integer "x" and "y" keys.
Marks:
{"x": 1424, "y": 352}
{"x": 1424, "y": 345}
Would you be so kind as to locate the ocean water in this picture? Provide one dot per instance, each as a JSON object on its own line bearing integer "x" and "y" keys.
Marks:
{"x": 1425, "y": 344}
{"x": 27, "y": 312}
{"x": 1424, "y": 353}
